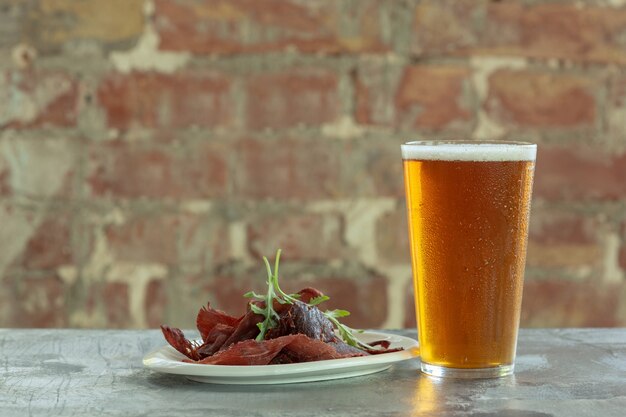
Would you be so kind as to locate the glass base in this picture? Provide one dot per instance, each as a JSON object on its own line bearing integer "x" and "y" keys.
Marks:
{"x": 465, "y": 373}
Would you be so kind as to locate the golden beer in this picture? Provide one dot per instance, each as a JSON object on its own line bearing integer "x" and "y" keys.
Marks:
{"x": 468, "y": 205}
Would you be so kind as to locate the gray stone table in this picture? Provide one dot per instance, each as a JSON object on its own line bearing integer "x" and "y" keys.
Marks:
{"x": 573, "y": 372}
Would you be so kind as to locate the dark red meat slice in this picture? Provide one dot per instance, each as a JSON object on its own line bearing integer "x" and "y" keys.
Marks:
{"x": 384, "y": 350}
{"x": 301, "y": 318}
{"x": 305, "y": 349}
{"x": 308, "y": 293}
{"x": 215, "y": 340}
{"x": 382, "y": 343}
{"x": 246, "y": 329}
{"x": 208, "y": 318}
{"x": 284, "y": 349}
{"x": 178, "y": 341}
{"x": 384, "y": 347}
{"x": 247, "y": 326}
{"x": 249, "y": 352}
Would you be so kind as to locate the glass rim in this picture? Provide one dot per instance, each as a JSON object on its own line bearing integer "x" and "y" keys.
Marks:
{"x": 466, "y": 142}
{"x": 469, "y": 150}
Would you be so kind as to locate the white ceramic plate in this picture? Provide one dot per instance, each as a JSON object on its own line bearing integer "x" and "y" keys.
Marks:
{"x": 166, "y": 359}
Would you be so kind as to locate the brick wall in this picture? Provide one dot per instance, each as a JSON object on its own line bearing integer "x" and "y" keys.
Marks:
{"x": 152, "y": 151}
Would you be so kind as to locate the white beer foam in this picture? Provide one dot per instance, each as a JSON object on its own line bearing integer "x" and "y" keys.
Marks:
{"x": 468, "y": 151}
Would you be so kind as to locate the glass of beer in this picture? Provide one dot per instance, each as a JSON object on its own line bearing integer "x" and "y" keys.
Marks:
{"x": 468, "y": 204}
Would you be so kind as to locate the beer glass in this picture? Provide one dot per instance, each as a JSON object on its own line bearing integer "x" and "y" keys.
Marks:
{"x": 468, "y": 204}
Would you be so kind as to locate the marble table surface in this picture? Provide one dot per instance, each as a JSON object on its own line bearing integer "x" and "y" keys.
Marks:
{"x": 62, "y": 372}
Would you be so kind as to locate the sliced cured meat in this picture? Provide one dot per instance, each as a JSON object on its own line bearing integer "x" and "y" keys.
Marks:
{"x": 209, "y": 317}
{"x": 247, "y": 328}
{"x": 176, "y": 338}
{"x": 301, "y": 318}
{"x": 308, "y": 293}
{"x": 305, "y": 349}
{"x": 384, "y": 347}
{"x": 249, "y": 352}
{"x": 302, "y": 334}
{"x": 215, "y": 340}
{"x": 284, "y": 349}
{"x": 308, "y": 320}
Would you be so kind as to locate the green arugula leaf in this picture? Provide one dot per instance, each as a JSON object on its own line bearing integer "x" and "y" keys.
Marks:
{"x": 275, "y": 293}
{"x": 337, "y": 313}
{"x": 345, "y": 332}
{"x": 281, "y": 296}
{"x": 268, "y": 311}
{"x": 317, "y": 300}
{"x": 254, "y": 295}
{"x": 256, "y": 309}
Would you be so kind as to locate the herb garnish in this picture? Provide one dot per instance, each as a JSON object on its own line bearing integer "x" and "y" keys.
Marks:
{"x": 273, "y": 293}
{"x": 271, "y": 317}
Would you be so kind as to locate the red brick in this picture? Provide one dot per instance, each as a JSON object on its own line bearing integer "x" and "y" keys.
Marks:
{"x": 392, "y": 237}
{"x": 36, "y": 239}
{"x": 12, "y": 17}
{"x": 115, "y": 297}
{"x": 7, "y": 300}
{"x": 287, "y": 169}
{"x": 86, "y": 299}
{"x": 155, "y": 303}
{"x": 40, "y": 302}
{"x": 365, "y": 99}
{"x": 561, "y": 303}
{"x": 38, "y": 99}
{"x": 578, "y": 32}
{"x": 153, "y": 100}
{"x": 374, "y": 86}
{"x": 308, "y": 237}
{"x": 540, "y": 99}
{"x": 51, "y": 24}
{"x": 558, "y": 30}
{"x": 203, "y": 241}
{"x": 621, "y": 257}
{"x": 225, "y": 292}
{"x": 579, "y": 173}
{"x": 372, "y": 167}
{"x": 145, "y": 239}
{"x": 50, "y": 245}
{"x": 566, "y": 258}
{"x": 214, "y": 26}
{"x": 554, "y": 226}
{"x": 199, "y": 171}
{"x": 292, "y": 98}
{"x": 565, "y": 242}
{"x": 5, "y": 180}
{"x": 171, "y": 239}
{"x": 616, "y": 108}
{"x": 431, "y": 97}
{"x": 441, "y": 26}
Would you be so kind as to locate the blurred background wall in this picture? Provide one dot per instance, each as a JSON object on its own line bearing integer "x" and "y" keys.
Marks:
{"x": 152, "y": 151}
